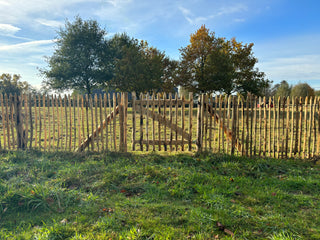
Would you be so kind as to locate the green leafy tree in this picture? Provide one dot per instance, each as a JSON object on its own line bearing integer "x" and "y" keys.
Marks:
{"x": 81, "y": 58}
{"x": 302, "y": 90}
{"x": 247, "y": 77}
{"x": 138, "y": 67}
{"x": 283, "y": 89}
{"x": 210, "y": 64}
{"x": 200, "y": 68}
{"x": 12, "y": 84}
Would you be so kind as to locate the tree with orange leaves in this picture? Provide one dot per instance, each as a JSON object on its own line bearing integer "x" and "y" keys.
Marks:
{"x": 214, "y": 64}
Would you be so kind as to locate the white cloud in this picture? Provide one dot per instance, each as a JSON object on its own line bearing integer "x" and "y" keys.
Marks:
{"x": 26, "y": 46}
{"x": 239, "y": 20}
{"x": 291, "y": 59}
{"x": 231, "y": 9}
{"x": 118, "y": 3}
{"x": 303, "y": 67}
{"x": 25, "y": 59}
{"x": 8, "y": 29}
{"x": 49, "y": 23}
{"x": 17, "y": 11}
{"x": 185, "y": 11}
{"x": 4, "y": 3}
{"x": 134, "y": 16}
{"x": 221, "y": 12}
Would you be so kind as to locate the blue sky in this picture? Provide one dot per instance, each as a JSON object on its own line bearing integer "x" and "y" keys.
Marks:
{"x": 286, "y": 34}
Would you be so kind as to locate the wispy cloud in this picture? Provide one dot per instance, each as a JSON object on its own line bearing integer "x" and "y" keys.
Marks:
{"x": 26, "y": 46}
{"x": 8, "y": 29}
{"x": 49, "y": 23}
{"x": 185, "y": 11}
{"x": 221, "y": 12}
{"x": 239, "y": 20}
{"x": 231, "y": 9}
{"x": 299, "y": 68}
{"x": 133, "y": 16}
{"x": 118, "y": 3}
{"x": 4, "y": 3}
{"x": 278, "y": 60}
{"x": 17, "y": 11}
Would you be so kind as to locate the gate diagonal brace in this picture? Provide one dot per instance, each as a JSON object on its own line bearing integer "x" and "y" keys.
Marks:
{"x": 106, "y": 121}
{"x": 226, "y": 131}
{"x": 158, "y": 117}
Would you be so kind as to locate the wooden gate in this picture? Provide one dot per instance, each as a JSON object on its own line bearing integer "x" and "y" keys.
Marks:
{"x": 163, "y": 121}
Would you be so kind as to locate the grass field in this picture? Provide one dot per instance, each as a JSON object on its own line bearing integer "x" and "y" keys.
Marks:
{"x": 62, "y": 195}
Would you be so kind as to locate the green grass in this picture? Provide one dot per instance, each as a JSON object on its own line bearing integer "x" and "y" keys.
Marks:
{"x": 133, "y": 196}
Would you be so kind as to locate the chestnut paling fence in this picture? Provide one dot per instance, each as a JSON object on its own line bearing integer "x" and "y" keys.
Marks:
{"x": 255, "y": 126}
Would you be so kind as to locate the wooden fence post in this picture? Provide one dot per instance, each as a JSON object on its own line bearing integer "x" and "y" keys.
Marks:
{"x": 121, "y": 118}
{"x": 234, "y": 123}
{"x": 114, "y": 102}
{"x": 3, "y": 118}
{"x": 190, "y": 119}
{"x": 31, "y": 121}
{"x": 133, "y": 121}
{"x": 123, "y": 104}
{"x": 125, "y": 121}
{"x": 26, "y": 119}
{"x": 18, "y": 121}
{"x": 147, "y": 122}
{"x": 141, "y": 122}
{"x": 199, "y": 123}
{"x": 182, "y": 121}
{"x": 297, "y": 126}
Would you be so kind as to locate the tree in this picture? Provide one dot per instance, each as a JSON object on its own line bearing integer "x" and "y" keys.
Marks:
{"x": 283, "y": 89}
{"x": 81, "y": 59}
{"x": 200, "y": 68}
{"x": 138, "y": 67}
{"x": 11, "y": 84}
{"x": 302, "y": 90}
{"x": 247, "y": 78}
{"x": 211, "y": 64}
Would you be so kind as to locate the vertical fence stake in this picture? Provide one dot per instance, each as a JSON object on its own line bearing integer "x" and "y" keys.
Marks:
{"x": 314, "y": 127}
{"x": 133, "y": 121}
{"x": 182, "y": 121}
{"x": 49, "y": 121}
{"x": 125, "y": 121}
{"x": 159, "y": 124}
{"x": 234, "y": 124}
{"x": 3, "y": 118}
{"x": 121, "y": 117}
{"x": 287, "y": 126}
{"x": 199, "y": 123}
{"x": 141, "y": 122}
{"x": 147, "y": 121}
{"x": 105, "y": 102}
{"x": 114, "y": 122}
{"x": 153, "y": 123}
{"x": 190, "y": 119}
{"x": 176, "y": 119}
{"x": 171, "y": 115}
{"x": 310, "y": 127}
{"x": 17, "y": 103}
{"x": 165, "y": 145}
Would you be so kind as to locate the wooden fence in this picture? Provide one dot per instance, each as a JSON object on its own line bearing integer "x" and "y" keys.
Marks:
{"x": 280, "y": 128}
